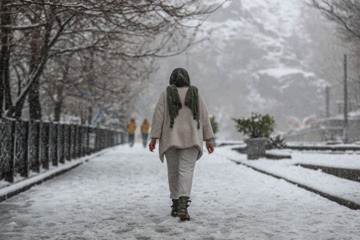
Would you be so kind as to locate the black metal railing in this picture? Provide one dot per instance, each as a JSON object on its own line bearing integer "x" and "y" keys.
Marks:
{"x": 34, "y": 145}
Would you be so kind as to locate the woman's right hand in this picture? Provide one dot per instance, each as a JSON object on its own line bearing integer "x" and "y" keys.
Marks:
{"x": 152, "y": 145}
{"x": 209, "y": 146}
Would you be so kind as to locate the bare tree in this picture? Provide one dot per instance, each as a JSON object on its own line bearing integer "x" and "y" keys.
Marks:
{"x": 117, "y": 33}
{"x": 346, "y": 15}
{"x": 5, "y": 57}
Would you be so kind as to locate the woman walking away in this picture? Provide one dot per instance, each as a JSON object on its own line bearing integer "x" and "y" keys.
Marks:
{"x": 181, "y": 123}
{"x": 145, "y": 131}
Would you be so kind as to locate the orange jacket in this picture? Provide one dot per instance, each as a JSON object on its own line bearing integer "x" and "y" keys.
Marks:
{"x": 145, "y": 127}
{"x": 131, "y": 126}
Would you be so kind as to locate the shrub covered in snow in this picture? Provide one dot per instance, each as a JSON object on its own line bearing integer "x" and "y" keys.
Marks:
{"x": 256, "y": 126}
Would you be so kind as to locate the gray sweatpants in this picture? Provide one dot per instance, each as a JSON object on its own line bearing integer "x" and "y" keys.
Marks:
{"x": 181, "y": 165}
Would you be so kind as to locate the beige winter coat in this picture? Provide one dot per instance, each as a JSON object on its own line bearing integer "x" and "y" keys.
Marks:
{"x": 184, "y": 133}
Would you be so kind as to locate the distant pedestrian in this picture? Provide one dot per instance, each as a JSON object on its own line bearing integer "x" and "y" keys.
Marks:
{"x": 181, "y": 123}
{"x": 131, "y": 127}
{"x": 145, "y": 126}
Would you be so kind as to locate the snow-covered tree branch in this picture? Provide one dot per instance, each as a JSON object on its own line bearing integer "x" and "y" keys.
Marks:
{"x": 106, "y": 46}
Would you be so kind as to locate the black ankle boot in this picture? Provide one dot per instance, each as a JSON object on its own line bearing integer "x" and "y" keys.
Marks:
{"x": 174, "y": 207}
{"x": 182, "y": 209}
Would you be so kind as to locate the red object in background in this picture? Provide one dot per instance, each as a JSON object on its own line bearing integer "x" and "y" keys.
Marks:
{"x": 293, "y": 121}
{"x": 309, "y": 120}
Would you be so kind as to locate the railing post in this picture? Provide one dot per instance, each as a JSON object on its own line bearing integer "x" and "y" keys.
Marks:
{"x": 10, "y": 169}
{"x": 72, "y": 141}
{"x": 100, "y": 139}
{"x": 2, "y": 134}
{"x": 123, "y": 137}
{"x": 85, "y": 143}
{"x": 86, "y": 149}
{"x": 92, "y": 140}
{"x": 103, "y": 139}
{"x": 34, "y": 146}
{"x": 86, "y": 140}
{"x": 67, "y": 142}
{"x": 81, "y": 141}
{"x": 7, "y": 129}
{"x": 97, "y": 137}
{"x": 44, "y": 146}
{"x": 108, "y": 138}
{"x": 60, "y": 143}
{"x": 77, "y": 141}
{"x": 112, "y": 138}
{"x": 21, "y": 161}
{"x": 53, "y": 144}
{"x": 80, "y": 134}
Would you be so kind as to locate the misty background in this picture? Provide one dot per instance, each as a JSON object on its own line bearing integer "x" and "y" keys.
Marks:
{"x": 100, "y": 63}
{"x": 271, "y": 57}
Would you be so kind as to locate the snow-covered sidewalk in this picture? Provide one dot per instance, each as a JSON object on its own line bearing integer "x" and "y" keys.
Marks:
{"x": 123, "y": 194}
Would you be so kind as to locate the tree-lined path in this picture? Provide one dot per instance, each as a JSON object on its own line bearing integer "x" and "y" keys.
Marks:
{"x": 123, "y": 194}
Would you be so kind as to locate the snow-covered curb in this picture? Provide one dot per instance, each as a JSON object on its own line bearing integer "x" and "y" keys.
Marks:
{"x": 342, "y": 191}
{"x": 307, "y": 184}
{"x": 16, "y": 188}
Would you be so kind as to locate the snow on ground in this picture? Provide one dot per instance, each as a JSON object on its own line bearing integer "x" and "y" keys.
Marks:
{"x": 123, "y": 194}
{"x": 342, "y": 188}
{"x": 34, "y": 177}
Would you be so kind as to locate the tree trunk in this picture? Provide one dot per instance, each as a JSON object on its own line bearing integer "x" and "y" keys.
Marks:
{"x": 1, "y": 91}
{"x": 1, "y": 96}
{"x": 34, "y": 93}
{"x": 4, "y": 58}
{"x": 60, "y": 92}
{"x": 18, "y": 111}
{"x": 58, "y": 104}
{"x": 34, "y": 102}
{"x": 57, "y": 111}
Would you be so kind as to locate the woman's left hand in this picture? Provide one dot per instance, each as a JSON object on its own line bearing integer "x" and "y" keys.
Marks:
{"x": 152, "y": 145}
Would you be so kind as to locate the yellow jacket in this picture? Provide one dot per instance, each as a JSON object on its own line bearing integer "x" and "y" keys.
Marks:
{"x": 145, "y": 127}
{"x": 131, "y": 126}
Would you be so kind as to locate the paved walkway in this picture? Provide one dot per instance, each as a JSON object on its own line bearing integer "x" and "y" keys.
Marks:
{"x": 123, "y": 194}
